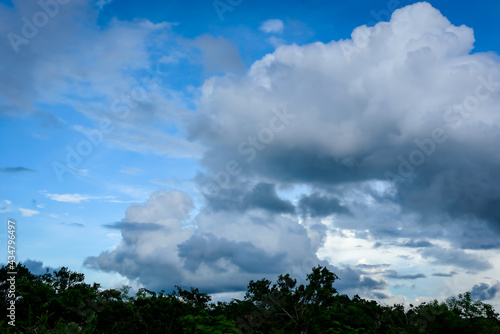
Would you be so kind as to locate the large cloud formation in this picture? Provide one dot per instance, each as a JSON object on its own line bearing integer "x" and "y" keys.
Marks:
{"x": 222, "y": 253}
{"x": 389, "y": 138}
{"x": 403, "y": 101}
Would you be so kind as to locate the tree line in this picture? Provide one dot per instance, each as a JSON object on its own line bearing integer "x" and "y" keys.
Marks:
{"x": 61, "y": 302}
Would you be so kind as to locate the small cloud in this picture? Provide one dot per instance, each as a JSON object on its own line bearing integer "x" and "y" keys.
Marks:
{"x": 131, "y": 226}
{"x": 28, "y": 212}
{"x": 36, "y": 267}
{"x": 7, "y": 202}
{"x": 120, "y": 201}
{"x": 416, "y": 244}
{"x": 54, "y": 215}
{"x": 395, "y": 274}
{"x": 72, "y": 198}
{"x": 15, "y": 170}
{"x": 484, "y": 291}
{"x": 38, "y": 205}
{"x": 72, "y": 224}
{"x": 450, "y": 274}
{"x": 272, "y": 26}
{"x": 380, "y": 295}
{"x": 75, "y": 171}
{"x": 68, "y": 198}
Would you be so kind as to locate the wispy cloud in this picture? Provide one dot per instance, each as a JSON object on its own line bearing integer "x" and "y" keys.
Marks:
{"x": 395, "y": 274}
{"x": 72, "y": 224}
{"x": 74, "y": 198}
{"x": 15, "y": 170}
{"x": 450, "y": 274}
{"x": 28, "y": 212}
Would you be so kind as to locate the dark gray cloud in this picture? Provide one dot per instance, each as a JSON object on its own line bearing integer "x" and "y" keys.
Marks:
{"x": 36, "y": 267}
{"x": 130, "y": 226}
{"x": 416, "y": 244}
{"x": 128, "y": 263}
{"x": 317, "y": 205}
{"x": 450, "y": 274}
{"x": 477, "y": 235}
{"x": 395, "y": 274}
{"x": 484, "y": 291}
{"x": 208, "y": 249}
{"x": 380, "y": 295}
{"x": 457, "y": 257}
{"x": 15, "y": 170}
{"x": 263, "y": 196}
{"x": 224, "y": 252}
{"x": 352, "y": 279}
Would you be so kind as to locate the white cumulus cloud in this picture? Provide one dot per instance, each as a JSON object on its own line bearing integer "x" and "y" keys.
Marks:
{"x": 272, "y": 26}
{"x": 28, "y": 212}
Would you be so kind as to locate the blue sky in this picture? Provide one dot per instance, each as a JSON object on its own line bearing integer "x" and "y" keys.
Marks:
{"x": 207, "y": 143}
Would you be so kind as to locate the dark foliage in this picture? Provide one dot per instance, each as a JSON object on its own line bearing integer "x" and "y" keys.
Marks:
{"x": 61, "y": 302}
